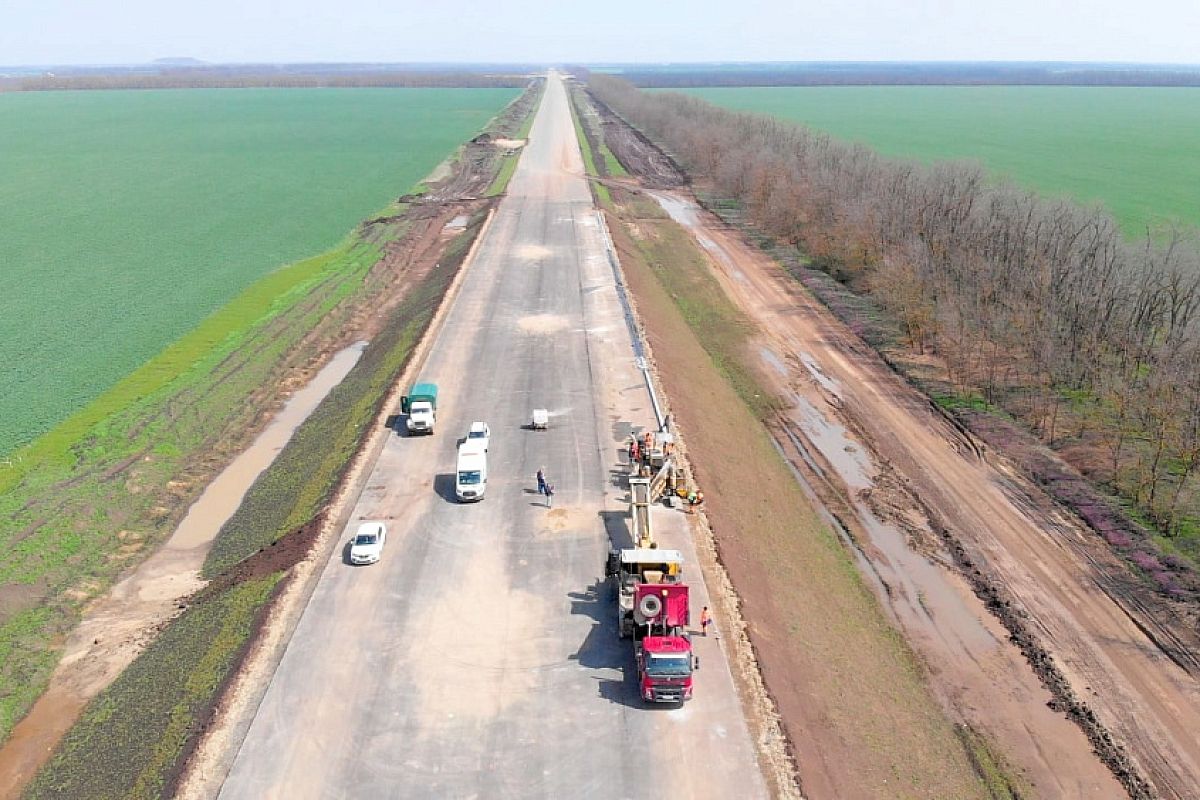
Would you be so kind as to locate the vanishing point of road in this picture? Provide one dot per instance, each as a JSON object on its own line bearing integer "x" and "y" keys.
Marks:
{"x": 480, "y": 658}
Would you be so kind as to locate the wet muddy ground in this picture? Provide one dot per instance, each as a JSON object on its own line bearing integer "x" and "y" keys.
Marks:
{"x": 992, "y": 586}
{"x": 118, "y": 626}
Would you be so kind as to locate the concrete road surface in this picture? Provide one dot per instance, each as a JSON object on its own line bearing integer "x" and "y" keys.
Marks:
{"x": 479, "y": 658}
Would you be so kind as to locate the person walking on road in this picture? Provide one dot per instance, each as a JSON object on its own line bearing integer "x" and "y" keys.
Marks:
{"x": 705, "y": 621}
{"x": 541, "y": 479}
{"x": 549, "y": 495}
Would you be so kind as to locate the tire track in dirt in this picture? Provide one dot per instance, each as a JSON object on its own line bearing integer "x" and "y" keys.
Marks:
{"x": 1024, "y": 561}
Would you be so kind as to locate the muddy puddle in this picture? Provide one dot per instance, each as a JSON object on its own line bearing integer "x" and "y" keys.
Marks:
{"x": 118, "y": 626}
{"x": 966, "y": 651}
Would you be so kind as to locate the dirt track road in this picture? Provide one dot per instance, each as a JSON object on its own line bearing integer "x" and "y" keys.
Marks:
{"x": 861, "y": 421}
{"x": 480, "y": 658}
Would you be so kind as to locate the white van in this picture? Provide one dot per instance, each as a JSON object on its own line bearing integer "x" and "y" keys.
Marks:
{"x": 470, "y": 477}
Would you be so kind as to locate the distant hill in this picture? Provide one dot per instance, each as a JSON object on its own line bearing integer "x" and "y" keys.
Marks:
{"x": 177, "y": 61}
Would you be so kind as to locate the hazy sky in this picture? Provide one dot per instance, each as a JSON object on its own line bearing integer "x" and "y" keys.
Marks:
{"x": 124, "y": 31}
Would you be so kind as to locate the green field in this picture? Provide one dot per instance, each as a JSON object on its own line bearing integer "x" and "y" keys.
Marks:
{"x": 1132, "y": 149}
{"x": 128, "y": 217}
{"x": 90, "y": 498}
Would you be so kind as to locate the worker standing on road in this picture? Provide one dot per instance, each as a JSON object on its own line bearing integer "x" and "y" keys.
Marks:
{"x": 541, "y": 479}
{"x": 549, "y": 496}
{"x": 705, "y": 621}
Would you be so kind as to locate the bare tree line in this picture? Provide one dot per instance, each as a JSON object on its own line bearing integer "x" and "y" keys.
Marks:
{"x": 911, "y": 74}
{"x": 1042, "y": 305}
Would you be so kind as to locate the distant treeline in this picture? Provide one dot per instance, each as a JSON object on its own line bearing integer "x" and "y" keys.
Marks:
{"x": 911, "y": 74}
{"x": 1042, "y": 306}
{"x": 226, "y": 78}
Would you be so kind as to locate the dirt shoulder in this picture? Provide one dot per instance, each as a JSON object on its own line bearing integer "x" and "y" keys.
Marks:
{"x": 850, "y": 693}
{"x": 1035, "y": 568}
{"x": 1111, "y": 659}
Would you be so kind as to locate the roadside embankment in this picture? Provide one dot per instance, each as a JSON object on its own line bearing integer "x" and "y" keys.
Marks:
{"x": 1117, "y": 661}
{"x": 852, "y": 697}
{"x": 129, "y": 740}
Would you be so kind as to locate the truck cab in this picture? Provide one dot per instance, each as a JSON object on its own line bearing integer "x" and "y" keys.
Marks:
{"x": 663, "y": 648}
{"x": 470, "y": 474}
{"x": 421, "y": 417}
{"x": 665, "y": 665}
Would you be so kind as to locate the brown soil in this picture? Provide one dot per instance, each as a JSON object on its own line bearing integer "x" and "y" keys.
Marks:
{"x": 851, "y": 698}
{"x": 655, "y": 169}
{"x": 1043, "y": 574}
{"x": 18, "y": 597}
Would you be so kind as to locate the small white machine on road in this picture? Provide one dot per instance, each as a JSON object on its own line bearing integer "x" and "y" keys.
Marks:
{"x": 541, "y": 419}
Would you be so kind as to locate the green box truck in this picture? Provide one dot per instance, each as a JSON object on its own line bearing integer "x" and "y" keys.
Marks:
{"x": 420, "y": 404}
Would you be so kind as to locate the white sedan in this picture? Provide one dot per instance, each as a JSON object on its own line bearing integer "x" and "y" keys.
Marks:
{"x": 480, "y": 432}
{"x": 367, "y": 545}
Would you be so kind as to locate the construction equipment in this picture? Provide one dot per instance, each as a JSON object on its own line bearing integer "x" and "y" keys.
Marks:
{"x": 639, "y": 566}
{"x": 652, "y": 603}
{"x": 663, "y": 648}
{"x": 639, "y": 508}
{"x": 652, "y": 476}
{"x": 653, "y": 610}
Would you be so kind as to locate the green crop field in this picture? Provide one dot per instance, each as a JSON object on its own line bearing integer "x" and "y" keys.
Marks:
{"x": 1132, "y": 149}
{"x": 128, "y": 217}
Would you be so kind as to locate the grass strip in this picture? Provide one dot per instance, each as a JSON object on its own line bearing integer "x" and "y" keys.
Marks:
{"x": 117, "y": 479}
{"x": 508, "y": 168}
{"x": 135, "y": 733}
{"x": 93, "y": 496}
{"x": 219, "y": 334}
{"x": 612, "y": 166}
{"x": 535, "y": 102}
{"x": 722, "y": 330}
{"x": 308, "y": 469}
{"x": 130, "y": 736}
{"x": 585, "y": 146}
{"x": 828, "y": 654}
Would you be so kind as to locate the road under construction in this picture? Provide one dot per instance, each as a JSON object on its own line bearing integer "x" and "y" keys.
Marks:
{"x": 481, "y": 657}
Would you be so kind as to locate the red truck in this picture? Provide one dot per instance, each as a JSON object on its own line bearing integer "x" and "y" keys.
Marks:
{"x": 663, "y": 649}
{"x": 652, "y": 609}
